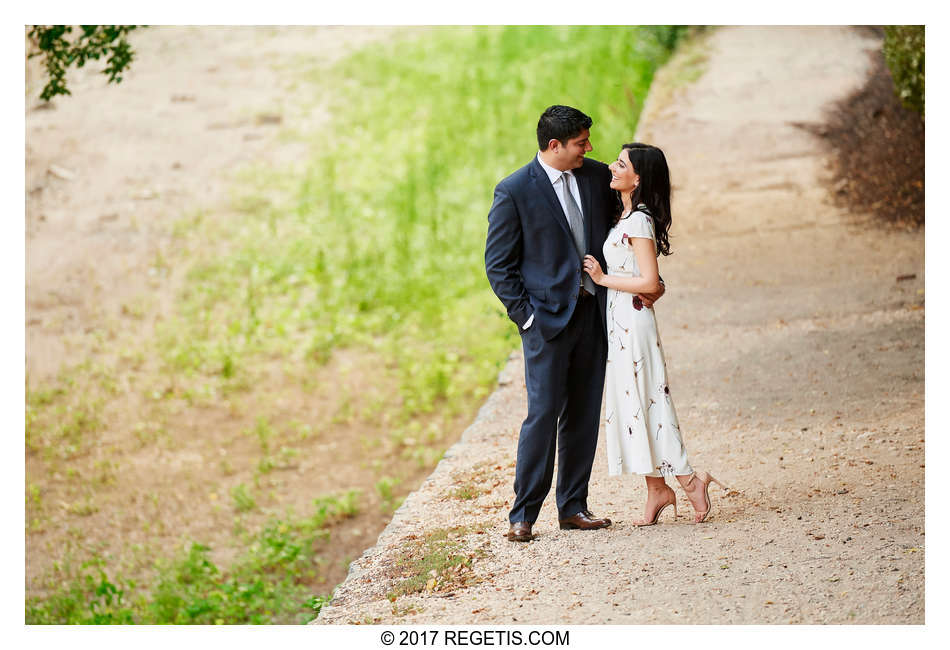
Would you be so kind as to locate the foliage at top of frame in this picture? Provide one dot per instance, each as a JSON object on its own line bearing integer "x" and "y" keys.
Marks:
{"x": 60, "y": 49}
{"x": 904, "y": 53}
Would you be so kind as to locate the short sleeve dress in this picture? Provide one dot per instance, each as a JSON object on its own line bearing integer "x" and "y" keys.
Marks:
{"x": 643, "y": 433}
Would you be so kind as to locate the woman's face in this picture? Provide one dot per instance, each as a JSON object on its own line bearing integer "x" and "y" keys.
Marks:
{"x": 623, "y": 178}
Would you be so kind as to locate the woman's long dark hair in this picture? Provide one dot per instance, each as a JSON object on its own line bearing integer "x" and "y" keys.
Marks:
{"x": 654, "y": 190}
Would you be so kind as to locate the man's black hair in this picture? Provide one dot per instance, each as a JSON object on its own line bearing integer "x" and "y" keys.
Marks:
{"x": 561, "y": 123}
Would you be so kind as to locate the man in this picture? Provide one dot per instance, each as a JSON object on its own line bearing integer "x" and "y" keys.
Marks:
{"x": 544, "y": 218}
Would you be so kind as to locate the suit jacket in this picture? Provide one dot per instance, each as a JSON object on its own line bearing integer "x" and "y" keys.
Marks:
{"x": 530, "y": 258}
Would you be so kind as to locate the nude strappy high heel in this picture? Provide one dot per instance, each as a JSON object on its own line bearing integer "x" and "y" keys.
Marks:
{"x": 660, "y": 509}
{"x": 705, "y": 478}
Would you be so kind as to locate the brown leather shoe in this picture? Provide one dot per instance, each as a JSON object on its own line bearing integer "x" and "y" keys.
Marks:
{"x": 520, "y": 531}
{"x": 585, "y": 520}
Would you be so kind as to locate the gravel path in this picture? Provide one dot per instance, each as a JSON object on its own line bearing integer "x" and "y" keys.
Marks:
{"x": 796, "y": 360}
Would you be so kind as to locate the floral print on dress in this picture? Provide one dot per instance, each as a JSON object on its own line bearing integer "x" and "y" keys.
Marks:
{"x": 664, "y": 391}
{"x": 643, "y": 434}
{"x": 666, "y": 468}
{"x": 636, "y": 368}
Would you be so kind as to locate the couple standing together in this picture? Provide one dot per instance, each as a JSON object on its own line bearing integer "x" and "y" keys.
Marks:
{"x": 554, "y": 226}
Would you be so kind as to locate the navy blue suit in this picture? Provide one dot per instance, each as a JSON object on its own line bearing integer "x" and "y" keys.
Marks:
{"x": 533, "y": 268}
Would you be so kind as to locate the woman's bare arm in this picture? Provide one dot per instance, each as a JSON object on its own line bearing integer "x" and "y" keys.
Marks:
{"x": 648, "y": 280}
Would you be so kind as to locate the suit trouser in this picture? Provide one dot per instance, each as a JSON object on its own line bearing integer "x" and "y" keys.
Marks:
{"x": 565, "y": 383}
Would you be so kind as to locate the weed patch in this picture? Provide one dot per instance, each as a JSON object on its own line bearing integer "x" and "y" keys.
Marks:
{"x": 474, "y": 482}
{"x": 440, "y": 561}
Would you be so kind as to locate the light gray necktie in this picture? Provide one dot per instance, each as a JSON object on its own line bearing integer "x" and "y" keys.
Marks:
{"x": 576, "y": 220}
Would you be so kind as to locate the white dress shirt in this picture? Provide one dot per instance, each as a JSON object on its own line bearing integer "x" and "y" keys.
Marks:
{"x": 557, "y": 180}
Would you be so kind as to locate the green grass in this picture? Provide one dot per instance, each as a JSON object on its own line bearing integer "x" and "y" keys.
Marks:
{"x": 373, "y": 245}
{"x": 243, "y": 500}
{"x": 268, "y": 583}
{"x": 466, "y": 492}
{"x": 384, "y": 488}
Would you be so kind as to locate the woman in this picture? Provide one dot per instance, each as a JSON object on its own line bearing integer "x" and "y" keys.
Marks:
{"x": 643, "y": 434}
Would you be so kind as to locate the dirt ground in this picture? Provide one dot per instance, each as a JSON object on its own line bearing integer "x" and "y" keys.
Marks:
{"x": 795, "y": 339}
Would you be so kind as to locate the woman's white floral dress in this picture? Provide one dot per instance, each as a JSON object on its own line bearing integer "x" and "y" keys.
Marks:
{"x": 643, "y": 434}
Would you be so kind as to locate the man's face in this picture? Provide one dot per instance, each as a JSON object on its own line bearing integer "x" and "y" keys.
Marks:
{"x": 570, "y": 155}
